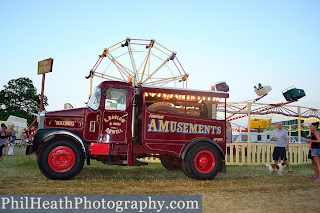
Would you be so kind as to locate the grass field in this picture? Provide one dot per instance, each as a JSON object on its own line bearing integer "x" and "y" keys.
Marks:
{"x": 241, "y": 189}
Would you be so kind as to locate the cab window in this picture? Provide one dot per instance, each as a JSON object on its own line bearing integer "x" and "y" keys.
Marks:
{"x": 116, "y": 99}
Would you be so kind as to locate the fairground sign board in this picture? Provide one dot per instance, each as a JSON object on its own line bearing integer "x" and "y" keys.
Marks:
{"x": 45, "y": 66}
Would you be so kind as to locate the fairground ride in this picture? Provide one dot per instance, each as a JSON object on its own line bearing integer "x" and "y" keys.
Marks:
{"x": 259, "y": 115}
{"x": 146, "y": 61}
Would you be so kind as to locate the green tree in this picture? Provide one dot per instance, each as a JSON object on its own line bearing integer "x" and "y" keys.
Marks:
{"x": 19, "y": 97}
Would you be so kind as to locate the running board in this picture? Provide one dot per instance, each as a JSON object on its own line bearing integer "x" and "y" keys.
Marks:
{"x": 124, "y": 163}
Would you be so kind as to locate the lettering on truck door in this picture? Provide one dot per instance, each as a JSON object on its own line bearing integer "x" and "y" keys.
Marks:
{"x": 115, "y": 116}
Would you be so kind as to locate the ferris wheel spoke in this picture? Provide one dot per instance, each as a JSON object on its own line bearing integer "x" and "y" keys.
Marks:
{"x": 123, "y": 68}
{"x": 120, "y": 67}
{"x": 132, "y": 58}
{"x": 157, "y": 69}
{"x": 169, "y": 69}
{"x": 142, "y": 64}
{"x": 147, "y": 59}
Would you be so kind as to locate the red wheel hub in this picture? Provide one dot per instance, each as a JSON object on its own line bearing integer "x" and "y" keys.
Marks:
{"x": 61, "y": 159}
{"x": 204, "y": 161}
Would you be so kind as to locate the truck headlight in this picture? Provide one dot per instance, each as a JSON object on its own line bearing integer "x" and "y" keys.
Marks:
{"x": 41, "y": 119}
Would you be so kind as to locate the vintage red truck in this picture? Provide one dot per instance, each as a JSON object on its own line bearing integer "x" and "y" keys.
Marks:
{"x": 123, "y": 122}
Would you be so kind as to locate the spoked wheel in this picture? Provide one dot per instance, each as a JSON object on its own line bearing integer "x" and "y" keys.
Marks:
{"x": 202, "y": 162}
{"x": 60, "y": 159}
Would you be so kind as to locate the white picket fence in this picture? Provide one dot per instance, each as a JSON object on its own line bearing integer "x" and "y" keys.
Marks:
{"x": 261, "y": 153}
{"x": 257, "y": 154}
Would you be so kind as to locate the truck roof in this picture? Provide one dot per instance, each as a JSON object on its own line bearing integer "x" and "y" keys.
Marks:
{"x": 115, "y": 83}
{"x": 169, "y": 90}
{"x": 182, "y": 91}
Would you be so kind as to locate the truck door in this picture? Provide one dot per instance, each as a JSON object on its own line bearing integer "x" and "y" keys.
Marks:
{"x": 115, "y": 116}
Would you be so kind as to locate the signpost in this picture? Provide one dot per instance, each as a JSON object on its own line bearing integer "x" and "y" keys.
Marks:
{"x": 44, "y": 67}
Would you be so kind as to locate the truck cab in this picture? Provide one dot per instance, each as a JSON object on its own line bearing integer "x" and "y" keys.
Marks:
{"x": 122, "y": 123}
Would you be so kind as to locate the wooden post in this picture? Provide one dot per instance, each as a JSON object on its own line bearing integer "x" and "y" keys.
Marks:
{"x": 42, "y": 91}
{"x": 249, "y": 140}
{"x": 265, "y": 136}
{"x": 289, "y": 150}
{"x": 290, "y": 128}
{"x": 299, "y": 134}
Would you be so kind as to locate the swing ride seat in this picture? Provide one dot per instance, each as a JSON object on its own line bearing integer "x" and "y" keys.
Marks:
{"x": 263, "y": 91}
{"x": 222, "y": 86}
{"x": 292, "y": 93}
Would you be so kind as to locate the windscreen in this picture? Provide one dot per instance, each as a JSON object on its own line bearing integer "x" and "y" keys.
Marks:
{"x": 94, "y": 101}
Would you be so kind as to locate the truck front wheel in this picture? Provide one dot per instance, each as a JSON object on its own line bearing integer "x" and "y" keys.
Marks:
{"x": 202, "y": 162}
{"x": 60, "y": 159}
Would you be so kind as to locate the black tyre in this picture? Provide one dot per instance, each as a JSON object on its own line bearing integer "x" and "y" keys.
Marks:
{"x": 163, "y": 107}
{"x": 202, "y": 162}
{"x": 169, "y": 165}
{"x": 60, "y": 159}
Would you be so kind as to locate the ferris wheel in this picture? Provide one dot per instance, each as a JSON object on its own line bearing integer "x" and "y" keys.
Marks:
{"x": 145, "y": 61}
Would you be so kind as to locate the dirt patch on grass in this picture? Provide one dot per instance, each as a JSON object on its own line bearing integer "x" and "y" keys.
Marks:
{"x": 241, "y": 189}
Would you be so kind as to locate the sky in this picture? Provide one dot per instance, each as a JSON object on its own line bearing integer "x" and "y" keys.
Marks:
{"x": 242, "y": 42}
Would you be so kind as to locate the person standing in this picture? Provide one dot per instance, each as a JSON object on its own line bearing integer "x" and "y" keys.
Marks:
{"x": 281, "y": 145}
{"x": 3, "y": 140}
{"x": 11, "y": 141}
{"x": 315, "y": 149}
{"x": 23, "y": 139}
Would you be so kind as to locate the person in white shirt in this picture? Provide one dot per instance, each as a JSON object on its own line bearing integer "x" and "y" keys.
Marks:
{"x": 281, "y": 145}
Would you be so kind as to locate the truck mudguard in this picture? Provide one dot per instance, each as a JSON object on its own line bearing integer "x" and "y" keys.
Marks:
{"x": 199, "y": 140}
{"x": 47, "y": 134}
